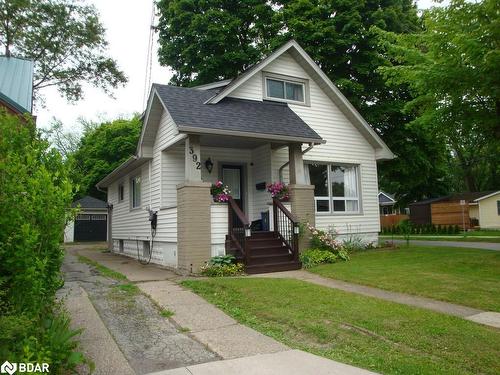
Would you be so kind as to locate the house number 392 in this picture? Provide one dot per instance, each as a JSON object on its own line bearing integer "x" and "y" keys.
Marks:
{"x": 194, "y": 157}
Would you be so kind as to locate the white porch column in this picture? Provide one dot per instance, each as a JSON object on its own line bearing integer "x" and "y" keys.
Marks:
{"x": 297, "y": 176}
{"x": 192, "y": 159}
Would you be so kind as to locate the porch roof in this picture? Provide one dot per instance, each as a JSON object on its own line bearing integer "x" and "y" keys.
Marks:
{"x": 231, "y": 116}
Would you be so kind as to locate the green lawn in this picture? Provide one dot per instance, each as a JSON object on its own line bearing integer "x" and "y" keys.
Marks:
{"x": 465, "y": 276}
{"x": 374, "y": 334}
{"x": 459, "y": 238}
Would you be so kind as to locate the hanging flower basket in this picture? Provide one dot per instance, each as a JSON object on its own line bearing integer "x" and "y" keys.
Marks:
{"x": 279, "y": 190}
{"x": 220, "y": 192}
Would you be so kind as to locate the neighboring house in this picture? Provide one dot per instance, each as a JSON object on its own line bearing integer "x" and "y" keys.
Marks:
{"x": 390, "y": 213}
{"x": 16, "y": 84}
{"x": 488, "y": 210}
{"x": 387, "y": 204}
{"x": 455, "y": 209}
{"x": 281, "y": 119}
{"x": 90, "y": 223}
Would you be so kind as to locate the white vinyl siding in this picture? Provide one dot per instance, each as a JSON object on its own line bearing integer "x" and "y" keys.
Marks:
{"x": 167, "y": 171}
{"x": 344, "y": 145}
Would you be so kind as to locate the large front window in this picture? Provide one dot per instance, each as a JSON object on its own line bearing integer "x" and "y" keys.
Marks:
{"x": 335, "y": 188}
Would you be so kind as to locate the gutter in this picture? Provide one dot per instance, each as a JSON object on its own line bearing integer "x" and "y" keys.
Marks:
{"x": 121, "y": 168}
{"x": 280, "y": 171}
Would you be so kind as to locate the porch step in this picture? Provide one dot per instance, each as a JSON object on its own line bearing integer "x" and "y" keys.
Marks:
{"x": 273, "y": 267}
{"x": 266, "y": 254}
{"x": 262, "y": 235}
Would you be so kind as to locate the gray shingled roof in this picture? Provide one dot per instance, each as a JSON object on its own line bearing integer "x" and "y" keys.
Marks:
{"x": 187, "y": 109}
{"x": 90, "y": 202}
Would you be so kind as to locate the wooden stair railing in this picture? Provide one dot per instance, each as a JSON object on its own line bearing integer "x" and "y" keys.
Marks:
{"x": 286, "y": 227}
{"x": 238, "y": 228}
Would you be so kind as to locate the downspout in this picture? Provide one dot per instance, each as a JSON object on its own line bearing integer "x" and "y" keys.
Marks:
{"x": 280, "y": 171}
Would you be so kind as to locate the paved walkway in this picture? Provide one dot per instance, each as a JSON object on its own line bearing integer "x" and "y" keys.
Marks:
{"x": 470, "y": 245}
{"x": 124, "y": 330}
{"x": 469, "y": 313}
{"x": 289, "y": 362}
{"x": 243, "y": 350}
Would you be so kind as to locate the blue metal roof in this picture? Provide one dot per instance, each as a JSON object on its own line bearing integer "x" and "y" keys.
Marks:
{"x": 16, "y": 82}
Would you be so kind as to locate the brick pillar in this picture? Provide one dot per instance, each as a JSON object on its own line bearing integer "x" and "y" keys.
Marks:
{"x": 193, "y": 225}
{"x": 302, "y": 199}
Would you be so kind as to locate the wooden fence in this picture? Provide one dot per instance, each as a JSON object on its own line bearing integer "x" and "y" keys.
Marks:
{"x": 387, "y": 221}
{"x": 450, "y": 213}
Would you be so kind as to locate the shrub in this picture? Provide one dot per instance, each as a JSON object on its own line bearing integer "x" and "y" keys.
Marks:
{"x": 35, "y": 193}
{"x": 222, "y": 260}
{"x": 219, "y": 270}
{"x": 325, "y": 240}
{"x": 313, "y": 257}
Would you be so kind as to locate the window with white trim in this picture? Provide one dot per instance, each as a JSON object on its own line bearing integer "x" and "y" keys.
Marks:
{"x": 135, "y": 191}
{"x": 336, "y": 187}
{"x": 284, "y": 89}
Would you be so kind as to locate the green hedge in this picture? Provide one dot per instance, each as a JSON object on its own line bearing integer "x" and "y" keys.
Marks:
{"x": 35, "y": 192}
{"x": 423, "y": 229}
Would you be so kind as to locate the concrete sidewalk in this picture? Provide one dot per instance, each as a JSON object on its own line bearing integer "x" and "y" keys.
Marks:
{"x": 469, "y": 313}
{"x": 290, "y": 362}
{"x": 207, "y": 324}
{"x": 243, "y": 350}
{"x": 95, "y": 340}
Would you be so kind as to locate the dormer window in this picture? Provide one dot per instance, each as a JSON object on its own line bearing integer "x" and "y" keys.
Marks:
{"x": 285, "y": 89}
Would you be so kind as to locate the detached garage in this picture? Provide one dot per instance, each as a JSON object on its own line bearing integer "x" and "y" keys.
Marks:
{"x": 91, "y": 223}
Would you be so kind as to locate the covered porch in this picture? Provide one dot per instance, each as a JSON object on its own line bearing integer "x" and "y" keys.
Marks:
{"x": 258, "y": 230}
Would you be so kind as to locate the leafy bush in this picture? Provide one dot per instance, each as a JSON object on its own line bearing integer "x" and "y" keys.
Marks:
{"x": 219, "y": 270}
{"x": 222, "y": 260}
{"x": 35, "y": 193}
{"x": 313, "y": 257}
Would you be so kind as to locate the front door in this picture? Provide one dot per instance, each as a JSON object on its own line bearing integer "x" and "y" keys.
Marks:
{"x": 232, "y": 176}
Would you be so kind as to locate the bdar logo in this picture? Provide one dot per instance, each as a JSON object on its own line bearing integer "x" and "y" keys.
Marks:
{"x": 8, "y": 368}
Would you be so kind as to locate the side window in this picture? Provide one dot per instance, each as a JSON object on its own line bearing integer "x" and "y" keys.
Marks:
{"x": 498, "y": 208}
{"x": 121, "y": 192}
{"x": 135, "y": 191}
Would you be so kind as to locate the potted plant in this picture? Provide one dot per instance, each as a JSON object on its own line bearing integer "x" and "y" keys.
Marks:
{"x": 220, "y": 192}
{"x": 279, "y": 190}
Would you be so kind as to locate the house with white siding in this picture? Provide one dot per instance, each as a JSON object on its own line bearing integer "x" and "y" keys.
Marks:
{"x": 281, "y": 120}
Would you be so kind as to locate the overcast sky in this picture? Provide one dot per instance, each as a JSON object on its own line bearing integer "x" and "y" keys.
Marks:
{"x": 127, "y": 24}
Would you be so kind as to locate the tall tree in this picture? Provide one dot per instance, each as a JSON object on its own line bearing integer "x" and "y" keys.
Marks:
{"x": 65, "y": 39}
{"x": 102, "y": 148}
{"x": 451, "y": 69}
{"x": 216, "y": 39}
{"x": 204, "y": 41}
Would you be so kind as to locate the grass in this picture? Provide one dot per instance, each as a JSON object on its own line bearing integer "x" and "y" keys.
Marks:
{"x": 128, "y": 289}
{"x": 464, "y": 276}
{"x": 438, "y": 237}
{"x": 378, "y": 335}
{"x": 166, "y": 313}
{"x": 105, "y": 271}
